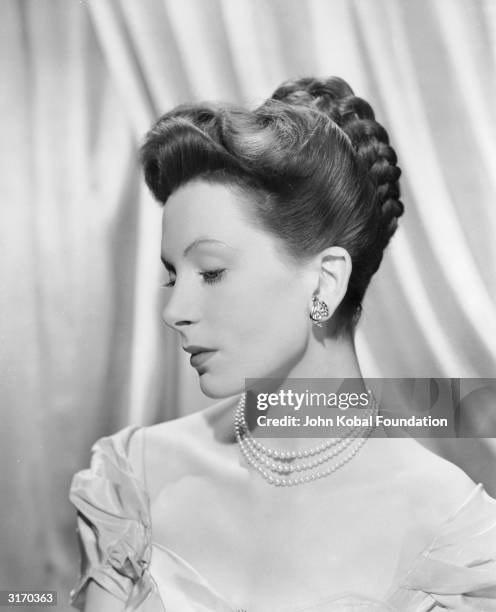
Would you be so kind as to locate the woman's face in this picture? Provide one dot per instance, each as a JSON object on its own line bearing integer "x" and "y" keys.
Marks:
{"x": 233, "y": 293}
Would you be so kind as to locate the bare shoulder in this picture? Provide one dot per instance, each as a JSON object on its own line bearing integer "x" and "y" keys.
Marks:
{"x": 178, "y": 448}
{"x": 206, "y": 423}
{"x": 439, "y": 486}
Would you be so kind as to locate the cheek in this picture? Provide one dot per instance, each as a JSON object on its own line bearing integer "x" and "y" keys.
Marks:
{"x": 264, "y": 315}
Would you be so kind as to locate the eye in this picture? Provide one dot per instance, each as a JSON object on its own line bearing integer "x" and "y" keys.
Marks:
{"x": 210, "y": 277}
{"x": 213, "y": 276}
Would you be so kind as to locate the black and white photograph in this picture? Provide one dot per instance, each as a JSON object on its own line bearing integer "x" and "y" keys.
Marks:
{"x": 248, "y": 305}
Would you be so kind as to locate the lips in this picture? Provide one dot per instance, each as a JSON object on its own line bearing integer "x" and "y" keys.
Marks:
{"x": 200, "y": 358}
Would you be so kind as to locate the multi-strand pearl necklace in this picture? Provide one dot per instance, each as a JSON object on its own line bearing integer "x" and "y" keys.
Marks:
{"x": 274, "y": 465}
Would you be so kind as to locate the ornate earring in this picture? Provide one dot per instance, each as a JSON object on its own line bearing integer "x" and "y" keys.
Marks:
{"x": 319, "y": 311}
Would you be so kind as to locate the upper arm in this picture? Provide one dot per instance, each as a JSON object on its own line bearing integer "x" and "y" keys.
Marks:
{"x": 113, "y": 528}
{"x": 447, "y": 487}
{"x": 98, "y": 599}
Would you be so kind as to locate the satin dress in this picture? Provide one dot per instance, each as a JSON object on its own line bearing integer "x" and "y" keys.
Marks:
{"x": 457, "y": 571}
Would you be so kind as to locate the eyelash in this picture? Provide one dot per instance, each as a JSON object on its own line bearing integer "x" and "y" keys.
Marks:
{"x": 218, "y": 274}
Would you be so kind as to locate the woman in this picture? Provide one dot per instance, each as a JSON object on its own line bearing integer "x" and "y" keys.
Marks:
{"x": 274, "y": 222}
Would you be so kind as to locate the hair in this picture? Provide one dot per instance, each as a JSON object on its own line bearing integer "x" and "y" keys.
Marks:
{"x": 318, "y": 166}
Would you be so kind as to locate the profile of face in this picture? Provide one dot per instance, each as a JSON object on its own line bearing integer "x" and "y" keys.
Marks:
{"x": 233, "y": 290}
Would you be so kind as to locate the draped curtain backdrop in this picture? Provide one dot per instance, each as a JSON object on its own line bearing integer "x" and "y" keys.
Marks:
{"x": 83, "y": 349}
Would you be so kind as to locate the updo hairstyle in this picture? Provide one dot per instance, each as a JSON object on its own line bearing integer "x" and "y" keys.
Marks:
{"x": 318, "y": 167}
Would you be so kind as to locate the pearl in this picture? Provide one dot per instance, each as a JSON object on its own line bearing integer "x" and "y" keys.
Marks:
{"x": 256, "y": 454}
{"x": 261, "y": 447}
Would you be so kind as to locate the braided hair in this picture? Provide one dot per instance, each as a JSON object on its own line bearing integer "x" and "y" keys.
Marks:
{"x": 318, "y": 167}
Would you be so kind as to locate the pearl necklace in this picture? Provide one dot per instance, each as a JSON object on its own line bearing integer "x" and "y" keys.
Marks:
{"x": 266, "y": 460}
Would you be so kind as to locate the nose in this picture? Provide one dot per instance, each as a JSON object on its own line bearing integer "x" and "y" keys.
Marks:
{"x": 180, "y": 310}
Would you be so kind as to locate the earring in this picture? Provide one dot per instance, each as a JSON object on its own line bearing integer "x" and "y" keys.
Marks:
{"x": 319, "y": 311}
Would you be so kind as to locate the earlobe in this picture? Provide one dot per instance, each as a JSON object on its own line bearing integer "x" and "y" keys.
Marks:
{"x": 319, "y": 311}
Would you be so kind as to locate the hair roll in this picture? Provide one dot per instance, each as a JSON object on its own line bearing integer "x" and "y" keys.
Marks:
{"x": 355, "y": 117}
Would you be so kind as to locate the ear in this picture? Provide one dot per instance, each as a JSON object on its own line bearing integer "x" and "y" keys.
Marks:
{"x": 334, "y": 270}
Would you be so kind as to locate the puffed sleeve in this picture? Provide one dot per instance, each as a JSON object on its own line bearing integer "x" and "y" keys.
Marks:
{"x": 458, "y": 571}
{"x": 113, "y": 524}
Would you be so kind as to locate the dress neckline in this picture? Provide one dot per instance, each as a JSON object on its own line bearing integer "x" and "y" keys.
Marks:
{"x": 348, "y": 596}
{"x": 340, "y": 597}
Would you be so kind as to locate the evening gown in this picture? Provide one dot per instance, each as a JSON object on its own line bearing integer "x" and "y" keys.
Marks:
{"x": 457, "y": 571}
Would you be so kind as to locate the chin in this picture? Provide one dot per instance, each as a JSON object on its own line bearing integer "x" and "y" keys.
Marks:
{"x": 218, "y": 387}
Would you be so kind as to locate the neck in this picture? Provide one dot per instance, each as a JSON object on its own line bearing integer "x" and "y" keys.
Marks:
{"x": 330, "y": 359}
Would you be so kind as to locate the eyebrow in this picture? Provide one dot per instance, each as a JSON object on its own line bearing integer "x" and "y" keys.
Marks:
{"x": 193, "y": 245}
